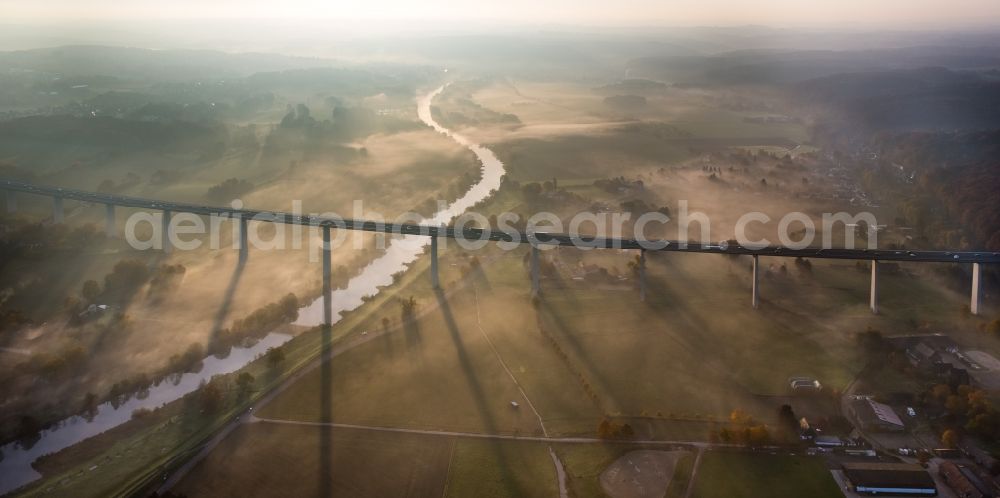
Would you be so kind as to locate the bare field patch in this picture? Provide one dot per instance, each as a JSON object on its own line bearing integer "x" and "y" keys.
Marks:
{"x": 640, "y": 474}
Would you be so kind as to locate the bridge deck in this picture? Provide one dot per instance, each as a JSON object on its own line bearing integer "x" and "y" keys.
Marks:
{"x": 540, "y": 238}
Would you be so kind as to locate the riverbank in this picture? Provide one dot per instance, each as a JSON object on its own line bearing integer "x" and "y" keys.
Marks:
{"x": 173, "y": 436}
{"x": 136, "y": 455}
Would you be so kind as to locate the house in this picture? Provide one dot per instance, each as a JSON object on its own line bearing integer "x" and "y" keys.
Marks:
{"x": 875, "y": 416}
{"x": 923, "y": 355}
{"x": 880, "y": 478}
{"x": 951, "y": 375}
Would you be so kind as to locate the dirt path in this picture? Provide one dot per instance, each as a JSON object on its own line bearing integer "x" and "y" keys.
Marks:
{"x": 560, "y": 470}
{"x": 560, "y": 474}
{"x": 479, "y": 324}
{"x": 694, "y": 472}
{"x": 504, "y": 437}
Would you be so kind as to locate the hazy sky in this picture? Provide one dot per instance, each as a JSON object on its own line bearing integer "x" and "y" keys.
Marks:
{"x": 895, "y": 13}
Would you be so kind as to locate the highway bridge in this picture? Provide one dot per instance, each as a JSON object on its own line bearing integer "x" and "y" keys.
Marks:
{"x": 536, "y": 239}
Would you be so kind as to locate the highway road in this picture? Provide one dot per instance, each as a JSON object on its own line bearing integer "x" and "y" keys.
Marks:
{"x": 535, "y": 238}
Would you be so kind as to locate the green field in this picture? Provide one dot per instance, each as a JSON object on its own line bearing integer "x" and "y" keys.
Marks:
{"x": 670, "y": 366}
{"x": 440, "y": 372}
{"x": 681, "y": 481}
{"x": 308, "y": 461}
{"x": 373, "y": 463}
{"x": 501, "y": 469}
{"x": 316, "y": 461}
{"x": 584, "y": 464}
{"x": 731, "y": 475}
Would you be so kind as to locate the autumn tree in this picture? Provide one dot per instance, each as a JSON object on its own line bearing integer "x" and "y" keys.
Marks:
{"x": 604, "y": 430}
{"x": 91, "y": 289}
{"x": 408, "y": 307}
{"x": 788, "y": 420}
{"x": 634, "y": 265}
{"x": 244, "y": 382}
{"x": 89, "y": 406}
{"x": 275, "y": 356}
{"x": 126, "y": 277}
{"x": 740, "y": 417}
{"x": 994, "y": 327}
{"x": 743, "y": 429}
{"x": 757, "y": 435}
{"x": 609, "y": 429}
{"x": 531, "y": 190}
{"x": 210, "y": 397}
{"x": 949, "y": 438}
{"x": 872, "y": 343}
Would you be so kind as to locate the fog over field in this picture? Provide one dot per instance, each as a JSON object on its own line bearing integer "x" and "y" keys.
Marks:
{"x": 795, "y": 207}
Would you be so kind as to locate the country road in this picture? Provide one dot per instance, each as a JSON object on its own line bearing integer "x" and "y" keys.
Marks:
{"x": 503, "y": 437}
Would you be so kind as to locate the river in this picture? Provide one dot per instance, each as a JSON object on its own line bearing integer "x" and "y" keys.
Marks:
{"x": 406, "y": 249}
{"x": 15, "y": 468}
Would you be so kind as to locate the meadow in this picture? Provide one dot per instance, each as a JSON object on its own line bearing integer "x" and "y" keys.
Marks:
{"x": 734, "y": 474}
{"x": 585, "y": 351}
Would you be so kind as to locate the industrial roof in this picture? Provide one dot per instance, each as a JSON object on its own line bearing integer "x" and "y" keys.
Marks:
{"x": 888, "y": 475}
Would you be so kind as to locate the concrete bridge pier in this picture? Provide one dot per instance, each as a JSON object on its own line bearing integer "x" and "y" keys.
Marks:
{"x": 435, "y": 279}
{"x": 977, "y": 289}
{"x": 244, "y": 241}
{"x": 57, "y": 210}
{"x": 756, "y": 281}
{"x": 642, "y": 275}
{"x": 873, "y": 296}
{"x": 11, "y": 201}
{"x": 535, "y": 284}
{"x": 165, "y": 231}
{"x": 327, "y": 297}
{"x": 109, "y": 220}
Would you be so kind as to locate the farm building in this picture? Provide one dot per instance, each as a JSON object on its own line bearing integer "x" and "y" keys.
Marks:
{"x": 879, "y": 478}
{"x": 875, "y": 416}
